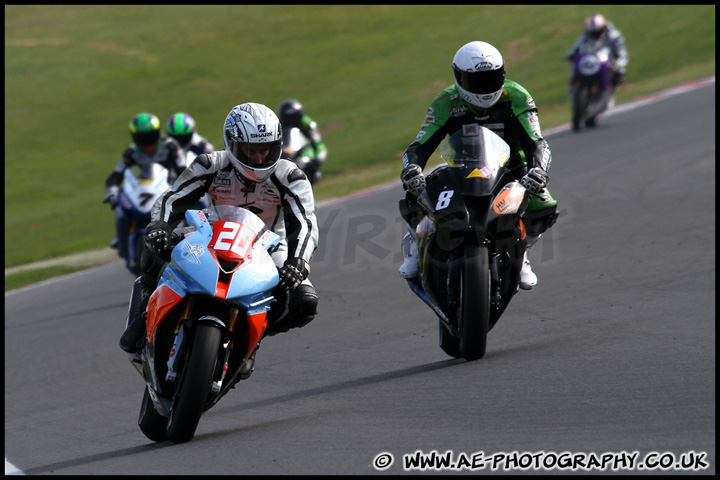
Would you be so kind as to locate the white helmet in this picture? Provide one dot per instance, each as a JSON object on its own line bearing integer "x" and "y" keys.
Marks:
{"x": 479, "y": 74}
{"x": 252, "y": 123}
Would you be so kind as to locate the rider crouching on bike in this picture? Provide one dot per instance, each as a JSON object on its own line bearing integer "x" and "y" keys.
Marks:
{"x": 181, "y": 127}
{"x": 292, "y": 114}
{"x": 482, "y": 95}
{"x": 248, "y": 173}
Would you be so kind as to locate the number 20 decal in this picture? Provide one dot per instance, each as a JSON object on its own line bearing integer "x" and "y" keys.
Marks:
{"x": 444, "y": 199}
{"x": 233, "y": 238}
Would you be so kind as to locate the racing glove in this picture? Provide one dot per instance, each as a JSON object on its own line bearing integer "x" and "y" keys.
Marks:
{"x": 158, "y": 239}
{"x": 535, "y": 180}
{"x": 111, "y": 197}
{"x": 413, "y": 179}
{"x": 293, "y": 273}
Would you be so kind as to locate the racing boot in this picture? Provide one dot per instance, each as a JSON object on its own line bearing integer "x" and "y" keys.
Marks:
{"x": 133, "y": 337}
{"x": 409, "y": 268}
{"x": 528, "y": 279}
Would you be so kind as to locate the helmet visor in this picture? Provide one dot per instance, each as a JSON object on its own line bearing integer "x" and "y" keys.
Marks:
{"x": 147, "y": 138}
{"x": 183, "y": 140}
{"x": 481, "y": 83}
{"x": 256, "y": 155}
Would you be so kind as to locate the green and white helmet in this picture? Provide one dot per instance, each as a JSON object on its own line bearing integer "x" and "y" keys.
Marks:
{"x": 252, "y": 123}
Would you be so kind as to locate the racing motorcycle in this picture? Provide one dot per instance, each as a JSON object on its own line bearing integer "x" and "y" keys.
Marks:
{"x": 205, "y": 319}
{"x": 470, "y": 237}
{"x": 590, "y": 83}
{"x": 140, "y": 189}
{"x": 294, "y": 145}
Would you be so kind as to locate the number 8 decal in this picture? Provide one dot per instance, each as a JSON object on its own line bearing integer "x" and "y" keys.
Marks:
{"x": 444, "y": 199}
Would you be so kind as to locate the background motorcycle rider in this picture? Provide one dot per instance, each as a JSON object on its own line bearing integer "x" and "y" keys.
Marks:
{"x": 598, "y": 28}
{"x": 482, "y": 95}
{"x": 248, "y": 173}
{"x": 181, "y": 126}
{"x": 292, "y": 115}
{"x": 147, "y": 147}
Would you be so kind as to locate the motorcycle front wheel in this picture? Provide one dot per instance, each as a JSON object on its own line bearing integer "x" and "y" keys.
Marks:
{"x": 195, "y": 385}
{"x": 580, "y": 102}
{"x": 475, "y": 301}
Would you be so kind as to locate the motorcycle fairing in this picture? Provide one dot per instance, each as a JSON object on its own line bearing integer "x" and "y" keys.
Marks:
{"x": 239, "y": 287}
{"x": 161, "y": 302}
{"x": 509, "y": 199}
{"x": 591, "y": 66}
{"x": 257, "y": 323}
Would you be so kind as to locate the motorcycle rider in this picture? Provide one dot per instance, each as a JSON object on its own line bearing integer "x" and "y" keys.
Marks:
{"x": 598, "y": 28}
{"x": 181, "y": 127}
{"x": 248, "y": 173}
{"x": 147, "y": 147}
{"x": 482, "y": 95}
{"x": 292, "y": 115}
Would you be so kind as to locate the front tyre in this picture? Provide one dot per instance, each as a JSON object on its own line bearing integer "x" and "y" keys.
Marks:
{"x": 475, "y": 302}
{"x": 580, "y": 101}
{"x": 195, "y": 385}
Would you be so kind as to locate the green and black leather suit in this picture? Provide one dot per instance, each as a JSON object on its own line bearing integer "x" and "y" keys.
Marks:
{"x": 514, "y": 118}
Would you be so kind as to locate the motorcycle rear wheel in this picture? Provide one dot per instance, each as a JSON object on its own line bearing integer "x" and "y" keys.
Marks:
{"x": 195, "y": 385}
{"x": 151, "y": 423}
{"x": 475, "y": 320}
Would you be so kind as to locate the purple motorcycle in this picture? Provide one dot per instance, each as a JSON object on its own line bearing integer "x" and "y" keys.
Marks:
{"x": 591, "y": 88}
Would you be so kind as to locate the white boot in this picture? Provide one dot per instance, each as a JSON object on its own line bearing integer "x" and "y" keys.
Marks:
{"x": 528, "y": 279}
{"x": 409, "y": 268}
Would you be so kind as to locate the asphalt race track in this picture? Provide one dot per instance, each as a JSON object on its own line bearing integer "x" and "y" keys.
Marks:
{"x": 611, "y": 356}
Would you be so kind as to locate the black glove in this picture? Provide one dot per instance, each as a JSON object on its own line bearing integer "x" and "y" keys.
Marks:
{"x": 535, "y": 180}
{"x": 158, "y": 239}
{"x": 293, "y": 273}
{"x": 413, "y": 179}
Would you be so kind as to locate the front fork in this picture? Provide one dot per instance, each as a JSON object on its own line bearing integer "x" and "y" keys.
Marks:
{"x": 256, "y": 321}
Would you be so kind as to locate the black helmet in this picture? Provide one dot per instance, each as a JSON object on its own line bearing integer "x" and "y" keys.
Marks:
{"x": 145, "y": 129}
{"x": 291, "y": 113}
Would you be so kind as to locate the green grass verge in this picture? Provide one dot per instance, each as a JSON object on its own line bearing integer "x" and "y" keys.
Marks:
{"x": 21, "y": 279}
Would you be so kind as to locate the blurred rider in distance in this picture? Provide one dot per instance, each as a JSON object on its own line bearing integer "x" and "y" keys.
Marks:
{"x": 181, "y": 126}
{"x": 597, "y": 28}
{"x": 292, "y": 114}
{"x": 147, "y": 147}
